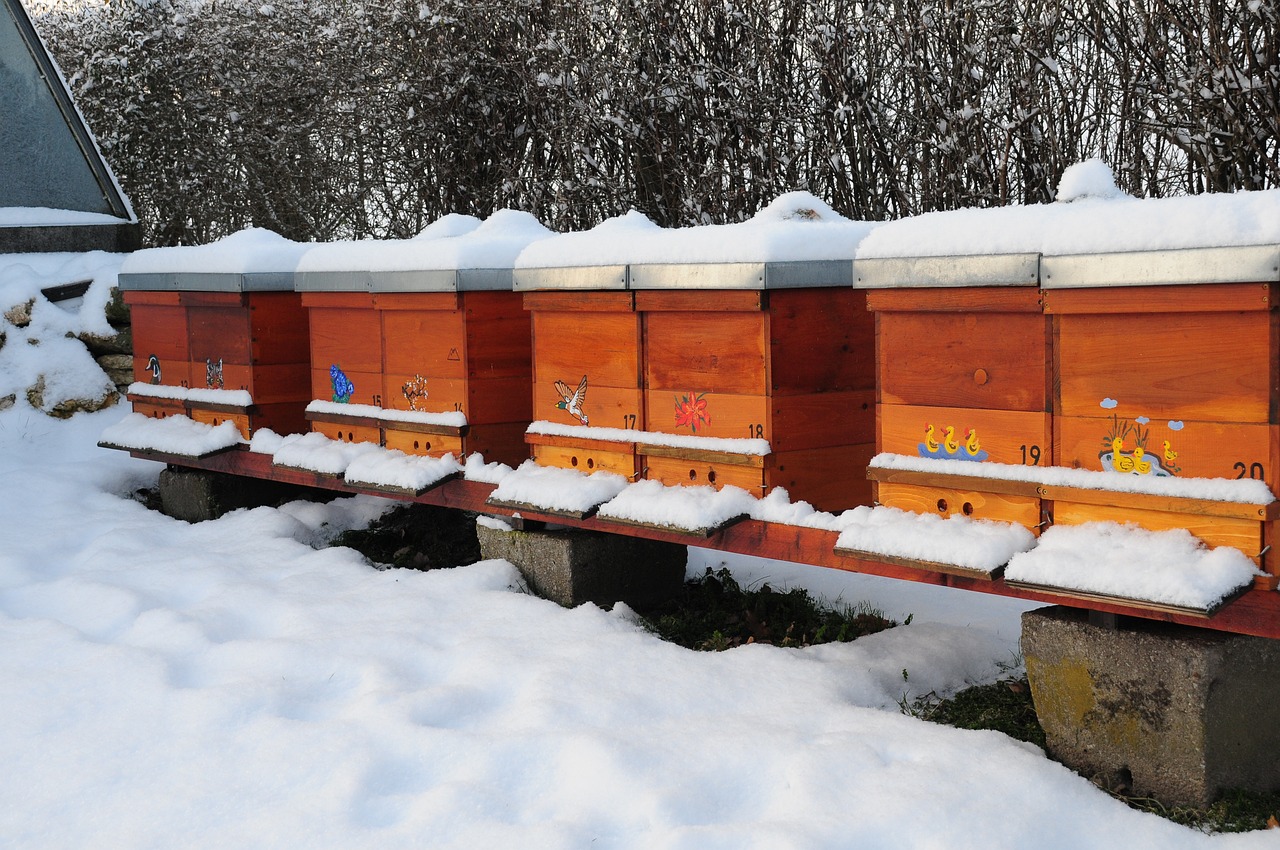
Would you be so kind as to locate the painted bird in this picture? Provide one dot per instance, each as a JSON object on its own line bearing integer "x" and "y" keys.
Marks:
{"x": 1169, "y": 454}
{"x": 571, "y": 401}
{"x": 930, "y": 443}
{"x": 153, "y": 366}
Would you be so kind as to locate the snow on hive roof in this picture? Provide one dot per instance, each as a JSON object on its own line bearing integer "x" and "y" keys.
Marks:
{"x": 1089, "y": 218}
{"x": 452, "y": 242}
{"x": 795, "y": 227}
{"x": 254, "y": 250}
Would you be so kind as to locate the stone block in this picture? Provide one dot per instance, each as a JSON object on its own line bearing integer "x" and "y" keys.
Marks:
{"x": 1175, "y": 713}
{"x": 573, "y": 566}
{"x": 196, "y": 495}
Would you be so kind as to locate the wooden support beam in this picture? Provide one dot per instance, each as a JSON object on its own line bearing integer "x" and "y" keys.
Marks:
{"x": 1255, "y": 612}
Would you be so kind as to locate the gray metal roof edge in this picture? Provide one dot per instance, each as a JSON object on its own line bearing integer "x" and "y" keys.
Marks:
{"x": 443, "y": 280}
{"x": 207, "y": 282}
{"x": 1178, "y": 266}
{"x": 1021, "y": 269}
{"x": 613, "y": 277}
{"x": 789, "y": 274}
{"x": 332, "y": 281}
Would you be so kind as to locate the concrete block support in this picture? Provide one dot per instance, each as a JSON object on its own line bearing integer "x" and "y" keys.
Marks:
{"x": 571, "y": 567}
{"x": 196, "y": 495}
{"x": 1170, "y": 712}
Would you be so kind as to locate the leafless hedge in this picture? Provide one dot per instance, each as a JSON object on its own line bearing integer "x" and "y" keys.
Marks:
{"x": 336, "y": 118}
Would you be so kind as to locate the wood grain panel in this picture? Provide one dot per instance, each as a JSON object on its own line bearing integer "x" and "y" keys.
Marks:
{"x": 499, "y": 336}
{"x": 822, "y": 419}
{"x": 1007, "y": 436}
{"x": 1196, "y": 298}
{"x": 673, "y": 471}
{"x": 568, "y": 301}
{"x": 501, "y": 441}
{"x": 446, "y": 301}
{"x": 831, "y": 479}
{"x": 696, "y": 352}
{"x": 605, "y": 407}
{"x": 1243, "y": 534}
{"x": 427, "y": 342}
{"x": 283, "y": 418}
{"x": 213, "y": 417}
{"x": 160, "y": 330}
{"x": 603, "y": 346}
{"x": 368, "y": 386}
{"x": 351, "y": 338}
{"x": 734, "y": 416}
{"x": 587, "y": 460}
{"x": 701, "y": 300}
{"x": 946, "y": 501}
{"x": 1197, "y": 450}
{"x": 346, "y": 433}
{"x": 1204, "y": 366}
{"x": 173, "y": 373}
{"x": 279, "y": 327}
{"x": 433, "y": 445}
{"x": 975, "y": 299}
{"x": 997, "y": 361}
{"x": 821, "y": 340}
{"x": 220, "y": 333}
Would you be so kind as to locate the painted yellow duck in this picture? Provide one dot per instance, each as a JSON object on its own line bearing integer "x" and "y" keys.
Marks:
{"x": 1122, "y": 462}
{"x": 930, "y": 443}
{"x": 971, "y": 444}
{"x": 949, "y": 442}
{"x": 1169, "y": 454}
{"x": 1140, "y": 466}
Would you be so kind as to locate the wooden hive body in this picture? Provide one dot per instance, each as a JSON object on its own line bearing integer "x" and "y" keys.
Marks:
{"x": 963, "y": 355}
{"x": 791, "y": 366}
{"x": 429, "y": 352}
{"x": 1168, "y": 365}
{"x": 233, "y": 338}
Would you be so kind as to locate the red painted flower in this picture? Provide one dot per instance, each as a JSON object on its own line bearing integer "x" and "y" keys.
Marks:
{"x": 691, "y": 410}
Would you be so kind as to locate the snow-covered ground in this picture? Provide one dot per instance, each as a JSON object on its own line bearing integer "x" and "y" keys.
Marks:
{"x": 228, "y": 684}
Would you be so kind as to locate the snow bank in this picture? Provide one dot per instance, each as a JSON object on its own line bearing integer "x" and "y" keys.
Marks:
{"x": 252, "y": 250}
{"x": 1091, "y": 216}
{"x": 557, "y": 489}
{"x": 46, "y": 217}
{"x": 795, "y": 226}
{"x": 175, "y": 435}
{"x": 453, "y": 242}
{"x": 1243, "y": 490}
{"x": 1165, "y": 567}
{"x": 980, "y": 545}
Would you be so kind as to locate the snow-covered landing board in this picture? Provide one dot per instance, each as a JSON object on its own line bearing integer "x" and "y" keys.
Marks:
{"x": 952, "y": 544}
{"x": 175, "y": 435}
{"x": 1105, "y": 560}
{"x": 560, "y": 492}
{"x": 700, "y": 511}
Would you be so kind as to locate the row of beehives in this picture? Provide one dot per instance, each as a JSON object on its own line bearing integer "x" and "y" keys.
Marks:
{"x": 786, "y": 373}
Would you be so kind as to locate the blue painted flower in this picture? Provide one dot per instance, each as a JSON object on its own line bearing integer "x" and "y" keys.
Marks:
{"x": 342, "y": 386}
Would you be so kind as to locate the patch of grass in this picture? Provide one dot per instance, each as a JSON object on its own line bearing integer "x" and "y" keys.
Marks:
{"x": 416, "y": 537}
{"x": 1003, "y": 706}
{"x": 715, "y": 613}
{"x": 1237, "y": 811}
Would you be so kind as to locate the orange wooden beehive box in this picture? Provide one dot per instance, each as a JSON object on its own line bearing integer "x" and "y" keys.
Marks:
{"x": 227, "y": 342}
{"x": 429, "y": 361}
{"x": 963, "y": 354}
{"x": 1167, "y": 364}
{"x": 680, "y": 364}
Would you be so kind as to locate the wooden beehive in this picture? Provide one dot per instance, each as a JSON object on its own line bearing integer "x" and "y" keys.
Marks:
{"x": 586, "y": 346}
{"x": 779, "y": 353}
{"x": 963, "y": 351}
{"x": 782, "y": 352}
{"x": 409, "y": 350}
{"x": 1167, "y": 364}
{"x": 235, "y": 342}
